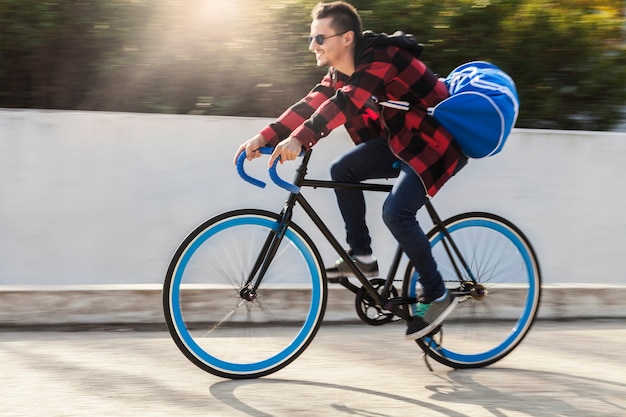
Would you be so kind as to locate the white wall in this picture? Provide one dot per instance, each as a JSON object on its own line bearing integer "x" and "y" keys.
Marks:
{"x": 105, "y": 198}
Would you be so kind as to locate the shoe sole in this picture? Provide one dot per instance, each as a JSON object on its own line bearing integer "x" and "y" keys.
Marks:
{"x": 432, "y": 326}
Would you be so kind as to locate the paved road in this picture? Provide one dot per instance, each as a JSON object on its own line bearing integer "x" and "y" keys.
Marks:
{"x": 561, "y": 369}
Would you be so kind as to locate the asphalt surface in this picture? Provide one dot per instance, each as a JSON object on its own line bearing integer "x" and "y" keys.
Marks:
{"x": 566, "y": 368}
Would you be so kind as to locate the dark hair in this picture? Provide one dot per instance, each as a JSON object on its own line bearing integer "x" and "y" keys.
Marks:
{"x": 344, "y": 16}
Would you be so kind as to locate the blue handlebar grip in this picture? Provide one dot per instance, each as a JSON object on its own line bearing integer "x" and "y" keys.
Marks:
{"x": 266, "y": 150}
{"x": 280, "y": 182}
{"x": 240, "y": 160}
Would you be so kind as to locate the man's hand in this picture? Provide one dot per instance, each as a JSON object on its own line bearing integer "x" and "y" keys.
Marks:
{"x": 287, "y": 150}
{"x": 251, "y": 148}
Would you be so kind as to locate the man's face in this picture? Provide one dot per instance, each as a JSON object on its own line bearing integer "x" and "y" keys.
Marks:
{"x": 332, "y": 49}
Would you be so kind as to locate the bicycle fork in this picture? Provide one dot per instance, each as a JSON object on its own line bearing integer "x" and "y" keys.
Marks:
{"x": 274, "y": 238}
{"x": 267, "y": 253}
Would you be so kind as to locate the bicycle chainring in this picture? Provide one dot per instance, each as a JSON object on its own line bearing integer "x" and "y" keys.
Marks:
{"x": 366, "y": 308}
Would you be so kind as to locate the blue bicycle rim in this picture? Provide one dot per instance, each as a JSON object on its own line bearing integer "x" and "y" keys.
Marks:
{"x": 523, "y": 321}
{"x": 307, "y": 328}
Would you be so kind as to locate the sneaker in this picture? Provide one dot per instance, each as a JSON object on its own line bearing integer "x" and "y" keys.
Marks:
{"x": 342, "y": 270}
{"x": 429, "y": 316}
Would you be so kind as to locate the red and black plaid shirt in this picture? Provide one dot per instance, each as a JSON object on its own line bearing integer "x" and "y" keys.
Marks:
{"x": 383, "y": 72}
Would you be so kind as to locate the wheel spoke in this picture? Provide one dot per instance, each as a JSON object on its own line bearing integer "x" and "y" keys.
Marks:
{"x": 218, "y": 329}
{"x": 484, "y": 328}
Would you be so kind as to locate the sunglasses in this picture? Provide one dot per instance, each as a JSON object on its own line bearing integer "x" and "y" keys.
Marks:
{"x": 319, "y": 39}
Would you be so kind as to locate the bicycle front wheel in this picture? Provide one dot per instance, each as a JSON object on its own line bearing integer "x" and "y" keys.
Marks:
{"x": 489, "y": 323}
{"x": 223, "y": 332}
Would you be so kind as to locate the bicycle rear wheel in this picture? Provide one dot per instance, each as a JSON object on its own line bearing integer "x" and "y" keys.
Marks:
{"x": 488, "y": 324}
{"x": 224, "y": 333}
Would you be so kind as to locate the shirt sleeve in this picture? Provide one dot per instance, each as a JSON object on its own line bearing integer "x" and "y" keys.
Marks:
{"x": 297, "y": 114}
{"x": 345, "y": 104}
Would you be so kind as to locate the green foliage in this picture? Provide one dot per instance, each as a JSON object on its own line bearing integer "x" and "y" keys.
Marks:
{"x": 250, "y": 57}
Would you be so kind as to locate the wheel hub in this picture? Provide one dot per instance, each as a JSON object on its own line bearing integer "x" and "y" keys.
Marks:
{"x": 248, "y": 294}
{"x": 478, "y": 291}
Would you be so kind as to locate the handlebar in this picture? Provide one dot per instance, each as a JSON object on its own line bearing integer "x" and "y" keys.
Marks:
{"x": 272, "y": 172}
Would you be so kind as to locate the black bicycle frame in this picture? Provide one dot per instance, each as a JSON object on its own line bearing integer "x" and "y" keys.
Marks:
{"x": 275, "y": 237}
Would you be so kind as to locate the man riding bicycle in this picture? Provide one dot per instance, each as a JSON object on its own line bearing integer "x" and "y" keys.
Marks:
{"x": 376, "y": 87}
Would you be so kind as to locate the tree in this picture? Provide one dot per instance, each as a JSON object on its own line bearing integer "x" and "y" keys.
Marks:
{"x": 250, "y": 57}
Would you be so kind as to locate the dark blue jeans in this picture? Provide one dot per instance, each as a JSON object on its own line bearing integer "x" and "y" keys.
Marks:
{"x": 372, "y": 160}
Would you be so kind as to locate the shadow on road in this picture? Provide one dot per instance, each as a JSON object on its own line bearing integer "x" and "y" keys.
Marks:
{"x": 533, "y": 393}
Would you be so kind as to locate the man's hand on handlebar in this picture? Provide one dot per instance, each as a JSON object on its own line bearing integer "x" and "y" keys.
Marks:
{"x": 287, "y": 150}
{"x": 251, "y": 148}
{"x": 283, "y": 151}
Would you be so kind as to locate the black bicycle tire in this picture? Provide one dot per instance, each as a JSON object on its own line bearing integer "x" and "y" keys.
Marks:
{"x": 167, "y": 308}
{"x": 535, "y": 308}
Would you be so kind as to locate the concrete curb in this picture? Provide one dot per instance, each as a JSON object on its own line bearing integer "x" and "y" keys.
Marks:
{"x": 141, "y": 304}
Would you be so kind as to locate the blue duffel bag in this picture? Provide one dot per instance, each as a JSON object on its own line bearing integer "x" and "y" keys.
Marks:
{"x": 481, "y": 110}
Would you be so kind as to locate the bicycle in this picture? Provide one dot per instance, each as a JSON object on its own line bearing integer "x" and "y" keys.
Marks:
{"x": 246, "y": 291}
